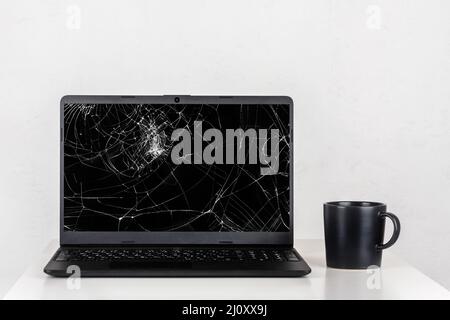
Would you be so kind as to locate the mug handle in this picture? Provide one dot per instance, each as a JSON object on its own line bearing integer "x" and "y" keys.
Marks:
{"x": 395, "y": 234}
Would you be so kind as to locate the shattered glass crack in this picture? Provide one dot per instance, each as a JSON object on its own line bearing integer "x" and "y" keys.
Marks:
{"x": 118, "y": 173}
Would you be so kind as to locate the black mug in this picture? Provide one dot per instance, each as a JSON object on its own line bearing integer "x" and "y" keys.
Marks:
{"x": 354, "y": 233}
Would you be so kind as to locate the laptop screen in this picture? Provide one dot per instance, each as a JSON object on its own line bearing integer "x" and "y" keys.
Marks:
{"x": 176, "y": 167}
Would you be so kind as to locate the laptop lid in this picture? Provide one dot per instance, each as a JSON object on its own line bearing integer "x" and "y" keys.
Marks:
{"x": 176, "y": 170}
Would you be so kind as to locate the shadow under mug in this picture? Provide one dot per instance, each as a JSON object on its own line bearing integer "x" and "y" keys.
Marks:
{"x": 354, "y": 233}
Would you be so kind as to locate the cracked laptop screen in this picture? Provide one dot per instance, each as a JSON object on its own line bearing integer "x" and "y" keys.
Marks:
{"x": 175, "y": 167}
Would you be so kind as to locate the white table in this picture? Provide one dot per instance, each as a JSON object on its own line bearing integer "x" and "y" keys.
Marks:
{"x": 397, "y": 280}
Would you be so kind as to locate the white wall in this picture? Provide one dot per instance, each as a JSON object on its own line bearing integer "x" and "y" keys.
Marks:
{"x": 370, "y": 80}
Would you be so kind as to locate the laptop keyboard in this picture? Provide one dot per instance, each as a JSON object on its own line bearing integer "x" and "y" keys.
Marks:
{"x": 176, "y": 255}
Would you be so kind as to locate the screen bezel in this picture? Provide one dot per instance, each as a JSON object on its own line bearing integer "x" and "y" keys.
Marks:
{"x": 175, "y": 237}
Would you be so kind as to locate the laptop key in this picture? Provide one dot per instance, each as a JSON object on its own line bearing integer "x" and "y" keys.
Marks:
{"x": 290, "y": 255}
{"x": 62, "y": 257}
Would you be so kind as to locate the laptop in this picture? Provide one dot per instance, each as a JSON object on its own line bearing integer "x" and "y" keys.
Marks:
{"x": 176, "y": 186}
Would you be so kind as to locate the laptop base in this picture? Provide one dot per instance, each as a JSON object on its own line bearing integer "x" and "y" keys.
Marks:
{"x": 56, "y": 268}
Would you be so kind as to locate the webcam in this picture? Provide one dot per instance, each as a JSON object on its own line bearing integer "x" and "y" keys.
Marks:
{"x": 177, "y": 99}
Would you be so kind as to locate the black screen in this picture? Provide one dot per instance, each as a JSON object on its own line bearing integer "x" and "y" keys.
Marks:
{"x": 175, "y": 167}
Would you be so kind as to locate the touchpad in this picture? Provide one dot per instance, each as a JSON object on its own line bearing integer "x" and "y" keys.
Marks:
{"x": 149, "y": 265}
